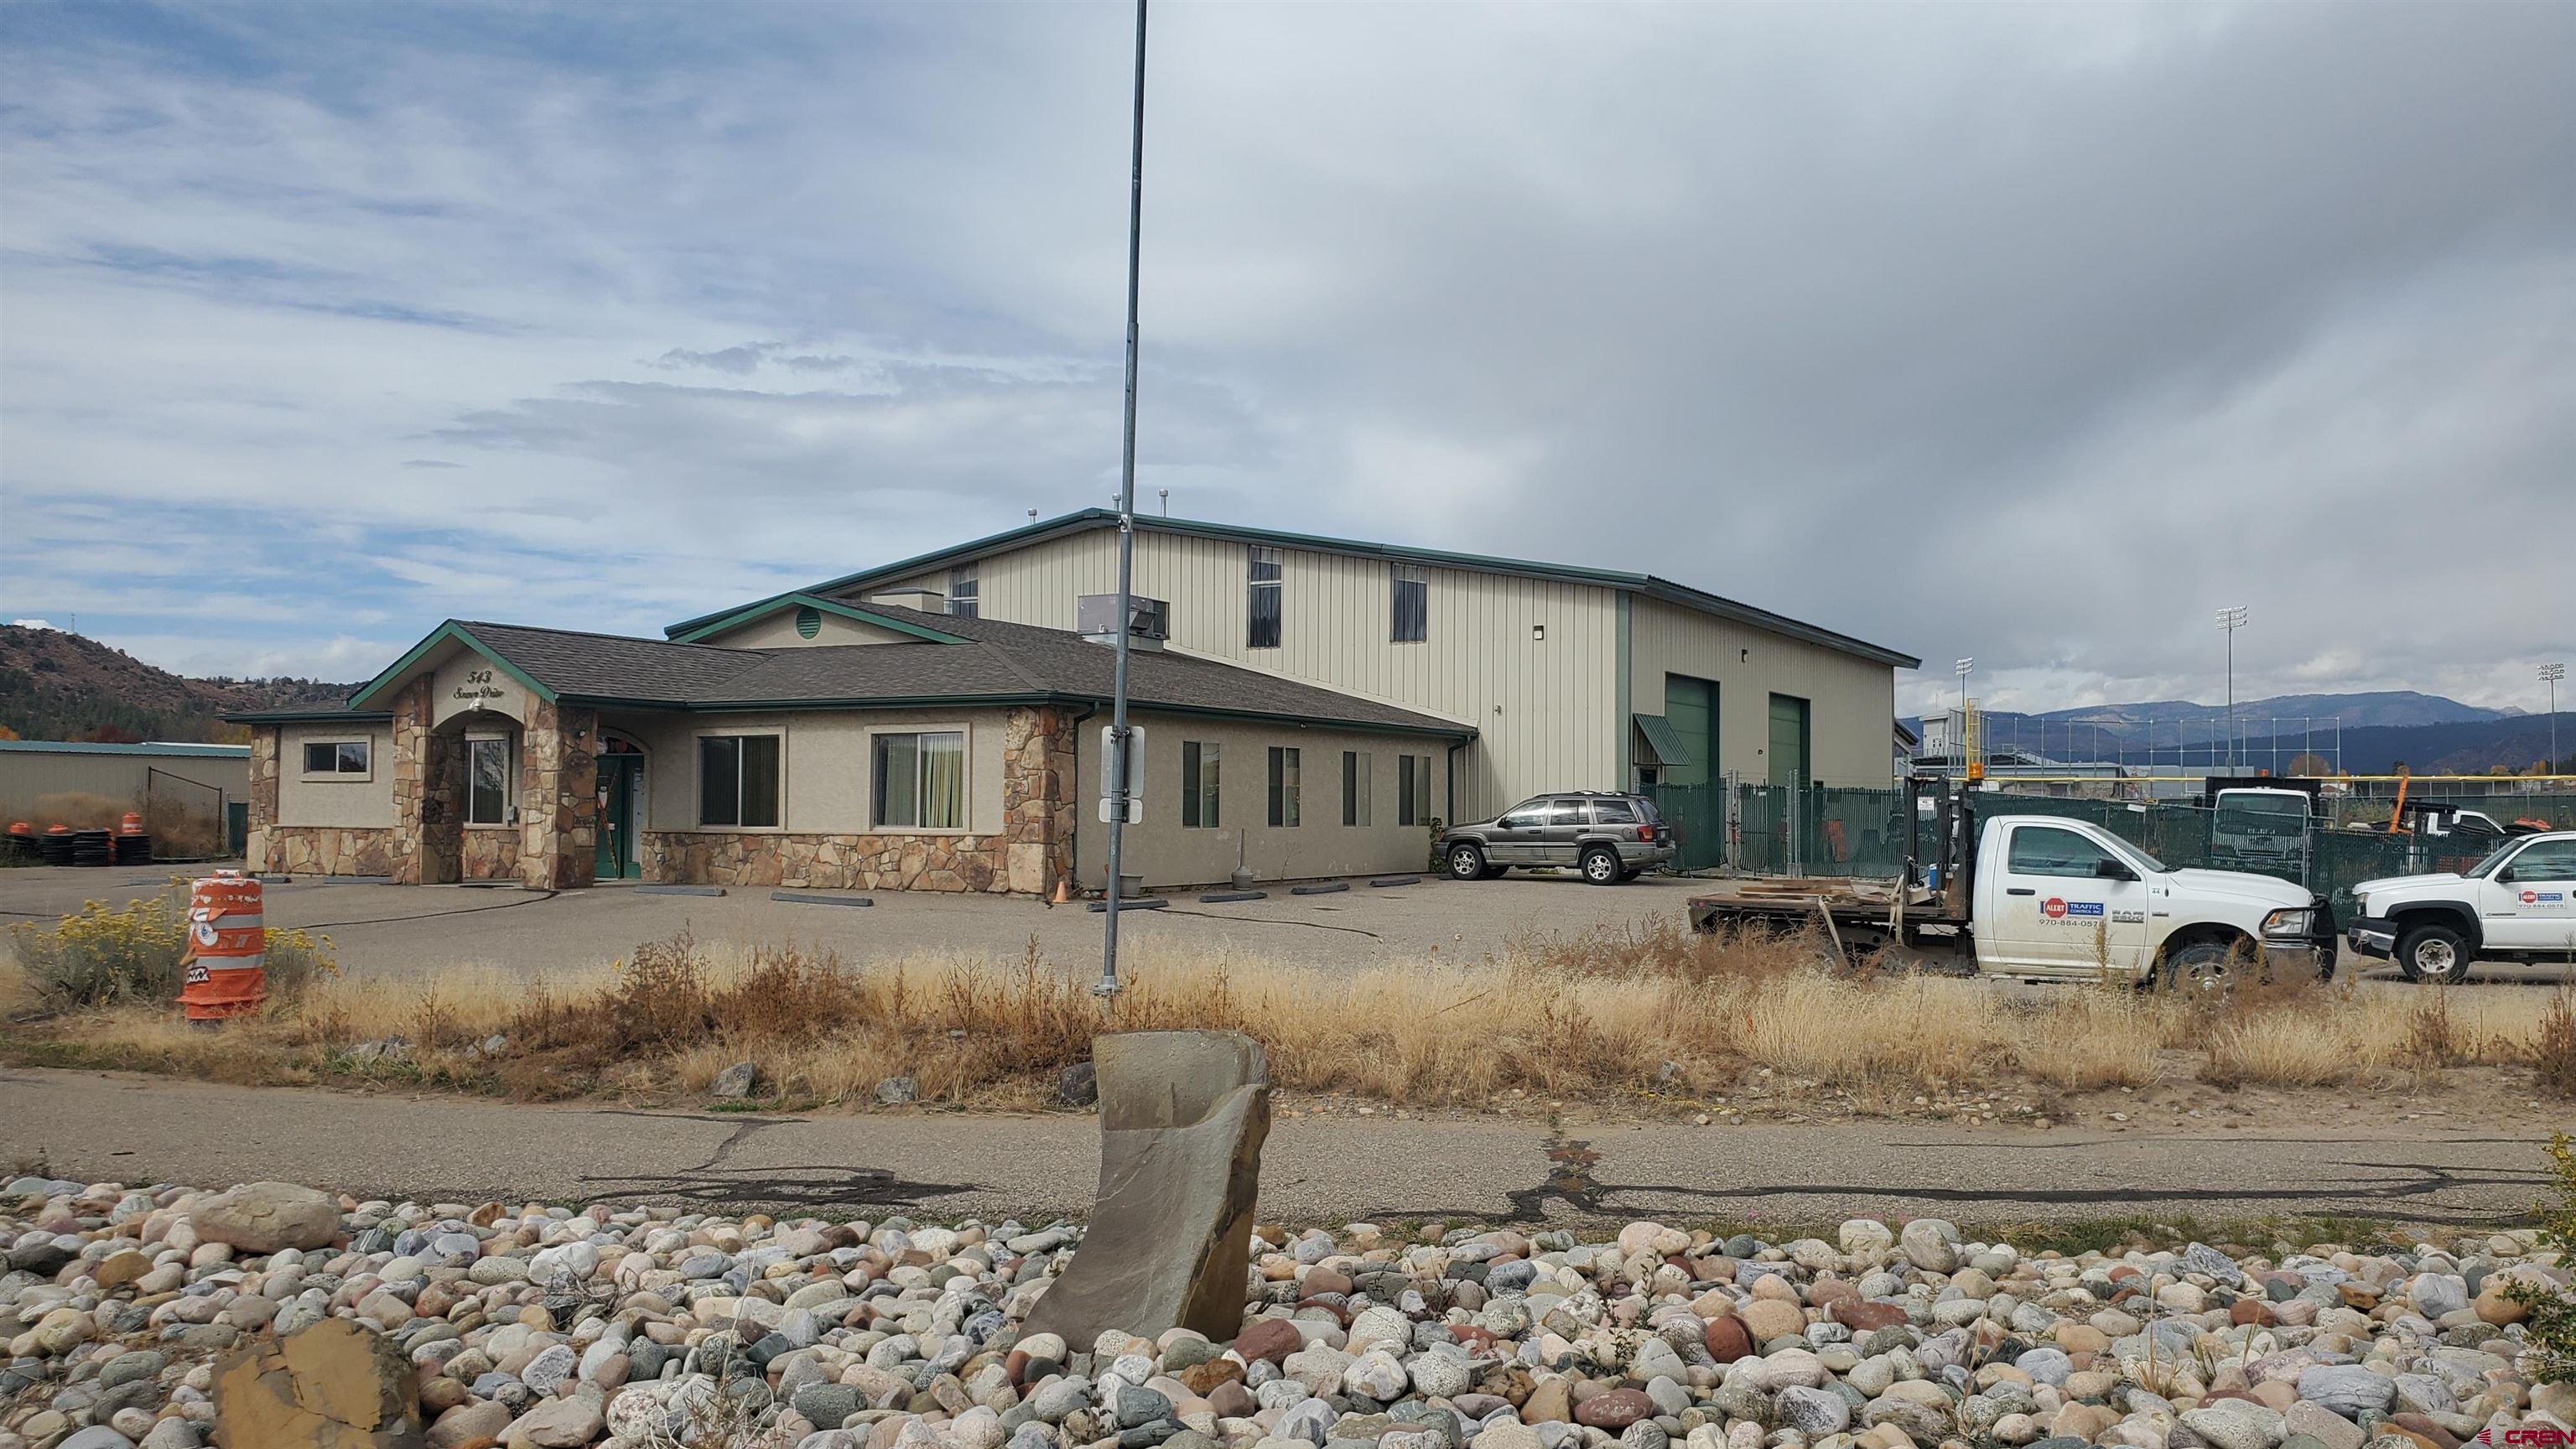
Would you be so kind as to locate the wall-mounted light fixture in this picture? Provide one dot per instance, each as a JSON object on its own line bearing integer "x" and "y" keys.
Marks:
{"x": 1538, "y": 632}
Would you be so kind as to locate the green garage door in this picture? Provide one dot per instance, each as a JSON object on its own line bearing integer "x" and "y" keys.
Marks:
{"x": 1692, "y": 799}
{"x": 1691, "y": 706}
{"x": 1788, "y": 752}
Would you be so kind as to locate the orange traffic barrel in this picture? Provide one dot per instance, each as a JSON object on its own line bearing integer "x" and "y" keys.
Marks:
{"x": 227, "y": 952}
{"x": 132, "y": 824}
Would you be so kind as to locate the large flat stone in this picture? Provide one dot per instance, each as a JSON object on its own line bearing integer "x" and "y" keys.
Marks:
{"x": 1182, "y": 1118}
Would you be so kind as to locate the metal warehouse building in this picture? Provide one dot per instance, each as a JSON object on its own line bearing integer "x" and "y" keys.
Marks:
{"x": 1310, "y": 705}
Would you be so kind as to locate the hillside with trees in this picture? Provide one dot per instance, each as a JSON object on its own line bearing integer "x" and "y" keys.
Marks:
{"x": 60, "y": 686}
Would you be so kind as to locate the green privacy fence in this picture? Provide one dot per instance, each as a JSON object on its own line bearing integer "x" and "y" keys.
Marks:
{"x": 1833, "y": 831}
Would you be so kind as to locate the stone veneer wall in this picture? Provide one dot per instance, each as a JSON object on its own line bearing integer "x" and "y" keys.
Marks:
{"x": 262, "y": 833}
{"x": 429, "y": 793}
{"x": 826, "y": 862}
{"x": 323, "y": 850}
{"x": 1033, "y": 851}
{"x": 558, "y": 797}
{"x": 491, "y": 854}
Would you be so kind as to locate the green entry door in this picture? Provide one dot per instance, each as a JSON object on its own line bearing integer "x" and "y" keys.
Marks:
{"x": 1691, "y": 706}
{"x": 621, "y": 781}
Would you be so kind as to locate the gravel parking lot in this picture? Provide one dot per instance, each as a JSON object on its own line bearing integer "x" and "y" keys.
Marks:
{"x": 402, "y": 929}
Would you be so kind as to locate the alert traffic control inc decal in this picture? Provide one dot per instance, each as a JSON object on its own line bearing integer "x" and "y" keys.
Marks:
{"x": 2543, "y": 898}
{"x": 2057, "y": 909}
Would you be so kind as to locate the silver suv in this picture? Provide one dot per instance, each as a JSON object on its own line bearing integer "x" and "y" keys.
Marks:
{"x": 1610, "y": 838}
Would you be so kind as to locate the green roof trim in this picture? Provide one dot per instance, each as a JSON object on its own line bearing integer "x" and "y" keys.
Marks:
{"x": 449, "y": 632}
{"x": 173, "y": 751}
{"x": 1035, "y": 696}
{"x": 1094, "y": 518}
{"x": 1664, "y": 741}
{"x": 697, "y": 630}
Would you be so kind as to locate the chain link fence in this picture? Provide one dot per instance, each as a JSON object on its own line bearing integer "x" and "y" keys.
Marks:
{"x": 1825, "y": 831}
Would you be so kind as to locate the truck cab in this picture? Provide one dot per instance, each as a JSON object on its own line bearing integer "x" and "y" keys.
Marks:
{"x": 2518, "y": 903}
{"x": 2055, "y": 897}
{"x": 2261, "y": 828}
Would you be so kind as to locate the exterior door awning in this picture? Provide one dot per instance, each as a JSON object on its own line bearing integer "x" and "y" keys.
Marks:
{"x": 1663, "y": 742}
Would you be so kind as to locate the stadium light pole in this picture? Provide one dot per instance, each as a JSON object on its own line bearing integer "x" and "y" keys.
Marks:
{"x": 1964, "y": 668}
{"x": 1113, "y": 773}
{"x": 2550, "y": 674}
{"x": 2231, "y": 619}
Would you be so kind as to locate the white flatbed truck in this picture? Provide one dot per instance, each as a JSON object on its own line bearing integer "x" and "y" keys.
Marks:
{"x": 2043, "y": 897}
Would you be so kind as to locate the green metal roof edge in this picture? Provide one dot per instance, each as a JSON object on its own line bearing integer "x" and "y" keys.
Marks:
{"x": 308, "y": 716}
{"x": 196, "y": 750}
{"x": 946, "y": 701}
{"x": 802, "y": 599}
{"x": 440, "y": 635}
{"x": 1648, "y": 584}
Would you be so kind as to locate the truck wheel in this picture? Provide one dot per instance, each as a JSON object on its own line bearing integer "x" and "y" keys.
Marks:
{"x": 1466, "y": 862}
{"x": 2438, "y": 955}
{"x": 2202, "y": 966}
{"x": 1601, "y": 866}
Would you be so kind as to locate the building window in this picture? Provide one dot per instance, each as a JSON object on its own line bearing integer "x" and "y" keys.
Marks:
{"x": 1357, "y": 767}
{"x": 1261, "y": 600}
{"x": 336, "y": 757}
{"x": 1411, "y": 588}
{"x": 1413, "y": 789}
{"x": 738, "y": 780}
{"x": 921, "y": 781}
{"x": 1283, "y": 785}
{"x": 1198, "y": 785}
{"x": 965, "y": 597}
{"x": 487, "y": 782}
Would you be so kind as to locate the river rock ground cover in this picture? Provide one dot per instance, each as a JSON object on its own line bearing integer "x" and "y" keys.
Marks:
{"x": 550, "y": 1327}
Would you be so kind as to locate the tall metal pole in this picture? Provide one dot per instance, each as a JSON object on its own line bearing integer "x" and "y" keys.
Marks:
{"x": 2551, "y": 674}
{"x": 2231, "y": 619}
{"x": 1114, "y": 769}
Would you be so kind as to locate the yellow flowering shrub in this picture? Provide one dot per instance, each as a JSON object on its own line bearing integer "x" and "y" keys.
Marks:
{"x": 134, "y": 953}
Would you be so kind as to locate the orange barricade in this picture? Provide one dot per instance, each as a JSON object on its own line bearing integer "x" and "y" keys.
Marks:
{"x": 227, "y": 949}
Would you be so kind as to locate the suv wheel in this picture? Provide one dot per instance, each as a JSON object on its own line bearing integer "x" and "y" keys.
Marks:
{"x": 1601, "y": 866}
{"x": 1466, "y": 862}
{"x": 2437, "y": 955}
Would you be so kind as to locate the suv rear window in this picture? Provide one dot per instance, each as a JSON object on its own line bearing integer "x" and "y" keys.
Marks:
{"x": 1614, "y": 812}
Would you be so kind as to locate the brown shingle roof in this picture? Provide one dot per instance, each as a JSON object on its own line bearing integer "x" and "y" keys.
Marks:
{"x": 997, "y": 661}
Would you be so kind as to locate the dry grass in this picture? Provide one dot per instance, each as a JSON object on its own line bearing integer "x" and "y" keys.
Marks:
{"x": 1591, "y": 1018}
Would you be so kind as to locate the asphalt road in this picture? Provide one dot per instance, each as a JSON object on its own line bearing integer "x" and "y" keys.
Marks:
{"x": 121, "y": 1127}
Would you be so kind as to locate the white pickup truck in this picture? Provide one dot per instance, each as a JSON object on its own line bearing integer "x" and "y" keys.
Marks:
{"x": 2042, "y": 897}
{"x": 2518, "y": 904}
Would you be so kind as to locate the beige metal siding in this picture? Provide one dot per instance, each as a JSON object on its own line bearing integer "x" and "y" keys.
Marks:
{"x": 1545, "y": 709}
{"x": 1851, "y": 701}
{"x": 28, "y": 776}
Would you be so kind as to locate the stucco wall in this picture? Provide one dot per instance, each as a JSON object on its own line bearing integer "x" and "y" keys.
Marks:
{"x": 1850, "y": 700}
{"x": 346, "y": 801}
{"x": 1166, "y": 853}
{"x": 468, "y": 684}
{"x": 824, "y": 764}
{"x": 778, "y": 631}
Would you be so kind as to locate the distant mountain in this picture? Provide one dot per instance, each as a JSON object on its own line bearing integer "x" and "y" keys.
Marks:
{"x": 2470, "y": 748}
{"x": 2167, "y": 725}
{"x": 59, "y": 686}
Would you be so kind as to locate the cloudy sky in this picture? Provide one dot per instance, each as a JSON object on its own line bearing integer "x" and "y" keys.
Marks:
{"x": 2028, "y": 333}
